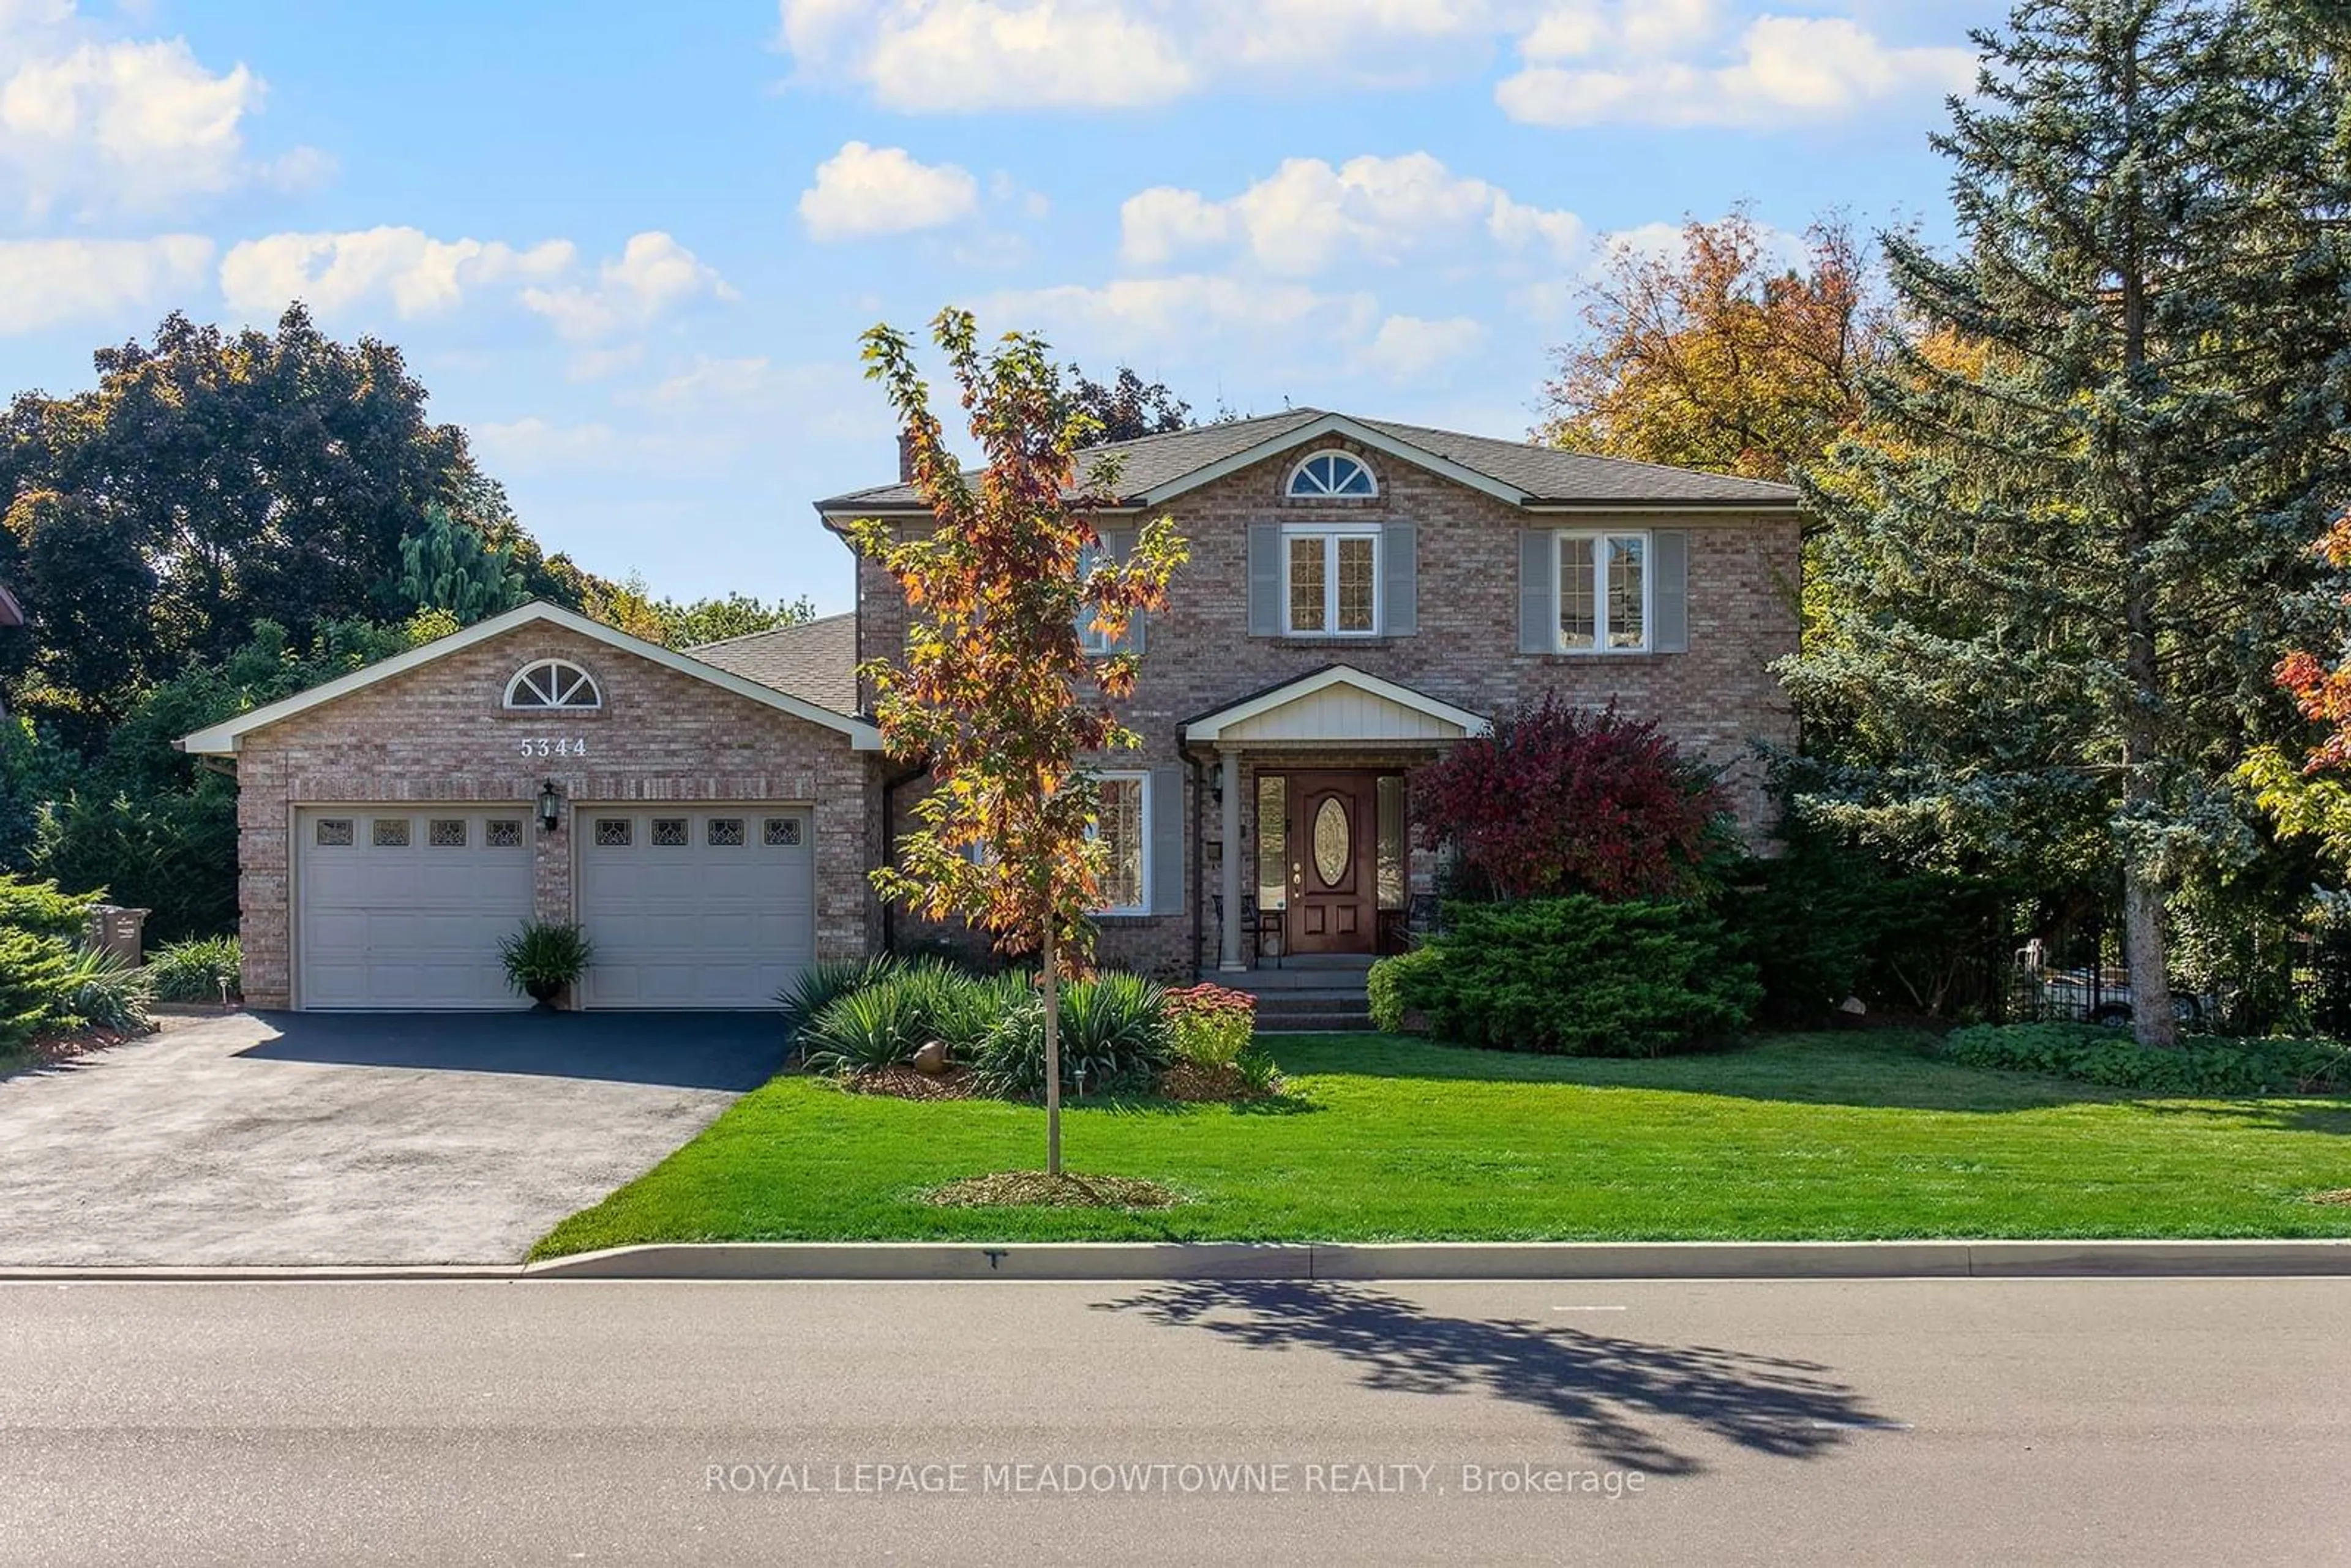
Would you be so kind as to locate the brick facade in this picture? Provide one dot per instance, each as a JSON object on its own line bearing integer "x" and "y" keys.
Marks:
{"x": 1715, "y": 700}
{"x": 441, "y": 732}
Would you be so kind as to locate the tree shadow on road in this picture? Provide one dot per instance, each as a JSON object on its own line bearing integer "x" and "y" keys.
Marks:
{"x": 1623, "y": 1397}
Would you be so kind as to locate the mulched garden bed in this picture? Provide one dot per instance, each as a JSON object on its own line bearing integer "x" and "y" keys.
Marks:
{"x": 1211, "y": 1086}
{"x": 906, "y": 1083}
{"x": 60, "y": 1047}
{"x": 1035, "y": 1189}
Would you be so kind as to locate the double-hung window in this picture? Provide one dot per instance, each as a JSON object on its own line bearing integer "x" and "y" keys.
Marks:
{"x": 1089, "y": 636}
{"x": 1603, "y": 593}
{"x": 1122, "y": 821}
{"x": 1331, "y": 580}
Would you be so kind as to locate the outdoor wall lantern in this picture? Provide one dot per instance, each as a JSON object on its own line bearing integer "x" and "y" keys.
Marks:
{"x": 550, "y": 807}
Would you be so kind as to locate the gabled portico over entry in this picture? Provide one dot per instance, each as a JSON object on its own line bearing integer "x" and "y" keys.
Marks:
{"x": 1309, "y": 821}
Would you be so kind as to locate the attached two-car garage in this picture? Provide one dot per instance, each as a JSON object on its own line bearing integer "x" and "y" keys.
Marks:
{"x": 701, "y": 905}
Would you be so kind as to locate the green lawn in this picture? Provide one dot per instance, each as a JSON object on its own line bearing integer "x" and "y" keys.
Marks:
{"x": 1819, "y": 1135}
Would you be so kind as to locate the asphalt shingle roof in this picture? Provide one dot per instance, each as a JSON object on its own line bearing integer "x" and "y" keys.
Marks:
{"x": 1545, "y": 473}
{"x": 815, "y": 661}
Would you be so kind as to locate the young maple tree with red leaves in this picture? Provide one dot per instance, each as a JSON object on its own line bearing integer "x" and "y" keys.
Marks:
{"x": 2324, "y": 694}
{"x": 996, "y": 694}
{"x": 1557, "y": 800}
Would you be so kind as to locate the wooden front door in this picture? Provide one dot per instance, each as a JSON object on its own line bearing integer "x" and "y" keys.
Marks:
{"x": 1334, "y": 837}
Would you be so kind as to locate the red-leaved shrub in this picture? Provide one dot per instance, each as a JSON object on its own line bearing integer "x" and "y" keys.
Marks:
{"x": 1557, "y": 800}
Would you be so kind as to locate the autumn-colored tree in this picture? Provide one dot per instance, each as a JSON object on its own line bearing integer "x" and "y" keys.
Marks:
{"x": 1554, "y": 801}
{"x": 1716, "y": 358}
{"x": 995, "y": 694}
{"x": 2309, "y": 797}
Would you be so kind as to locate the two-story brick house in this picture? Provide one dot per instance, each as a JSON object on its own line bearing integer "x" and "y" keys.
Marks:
{"x": 1360, "y": 595}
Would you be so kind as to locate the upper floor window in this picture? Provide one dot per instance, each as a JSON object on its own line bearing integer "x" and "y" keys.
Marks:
{"x": 1333, "y": 585}
{"x": 1089, "y": 636}
{"x": 553, "y": 684}
{"x": 1332, "y": 475}
{"x": 1120, "y": 822}
{"x": 1603, "y": 593}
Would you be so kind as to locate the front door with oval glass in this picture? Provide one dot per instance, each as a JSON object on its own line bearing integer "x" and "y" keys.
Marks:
{"x": 1333, "y": 840}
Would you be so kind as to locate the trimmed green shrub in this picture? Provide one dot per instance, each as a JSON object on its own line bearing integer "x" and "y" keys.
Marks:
{"x": 197, "y": 971}
{"x": 100, "y": 991}
{"x": 1578, "y": 977}
{"x": 1209, "y": 1025}
{"x": 1384, "y": 986}
{"x": 2204, "y": 1065}
{"x": 1114, "y": 1039}
{"x": 41, "y": 909}
{"x": 34, "y": 968}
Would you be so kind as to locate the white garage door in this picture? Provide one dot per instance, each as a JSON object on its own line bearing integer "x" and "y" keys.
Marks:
{"x": 403, "y": 906}
{"x": 695, "y": 906}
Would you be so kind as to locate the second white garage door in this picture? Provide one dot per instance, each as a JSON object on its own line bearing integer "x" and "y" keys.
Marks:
{"x": 695, "y": 906}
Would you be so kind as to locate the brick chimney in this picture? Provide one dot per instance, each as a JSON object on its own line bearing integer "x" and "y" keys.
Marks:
{"x": 905, "y": 459}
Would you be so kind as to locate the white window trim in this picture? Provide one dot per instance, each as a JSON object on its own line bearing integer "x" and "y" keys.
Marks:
{"x": 595, "y": 690}
{"x": 1600, "y": 536}
{"x": 1330, "y": 533}
{"x": 1290, "y": 492}
{"x": 1141, "y": 780}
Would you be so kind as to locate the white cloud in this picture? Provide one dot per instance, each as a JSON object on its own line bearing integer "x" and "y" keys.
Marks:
{"x": 862, "y": 191}
{"x": 46, "y": 281}
{"x": 1646, "y": 62}
{"x": 955, "y": 56}
{"x": 1781, "y": 70}
{"x": 1308, "y": 216}
{"x": 933, "y": 55}
{"x": 334, "y": 273}
{"x": 653, "y": 275}
{"x": 100, "y": 127}
{"x": 1410, "y": 348}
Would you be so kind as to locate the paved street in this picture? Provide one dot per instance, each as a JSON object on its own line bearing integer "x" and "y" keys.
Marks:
{"x": 1970, "y": 1421}
{"x": 355, "y": 1138}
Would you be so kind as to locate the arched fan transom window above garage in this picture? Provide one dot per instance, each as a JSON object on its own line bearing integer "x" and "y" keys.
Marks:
{"x": 554, "y": 684}
{"x": 1327, "y": 475}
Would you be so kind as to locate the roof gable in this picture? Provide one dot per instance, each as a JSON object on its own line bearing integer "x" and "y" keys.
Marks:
{"x": 224, "y": 740}
{"x": 1335, "y": 703}
{"x": 1155, "y": 468}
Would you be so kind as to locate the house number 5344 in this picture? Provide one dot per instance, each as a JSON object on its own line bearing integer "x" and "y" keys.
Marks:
{"x": 545, "y": 746}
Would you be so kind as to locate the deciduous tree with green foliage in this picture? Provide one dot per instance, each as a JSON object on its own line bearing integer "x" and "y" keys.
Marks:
{"x": 1721, "y": 357}
{"x": 2064, "y": 581}
{"x": 446, "y": 565}
{"x": 995, "y": 694}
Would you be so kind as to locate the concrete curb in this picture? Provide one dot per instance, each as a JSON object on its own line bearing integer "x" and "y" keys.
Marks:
{"x": 1083, "y": 1260}
{"x": 230, "y": 1273}
{"x": 1453, "y": 1260}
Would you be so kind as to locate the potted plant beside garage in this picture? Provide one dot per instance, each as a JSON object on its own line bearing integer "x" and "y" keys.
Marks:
{"x": 545, "y": 957}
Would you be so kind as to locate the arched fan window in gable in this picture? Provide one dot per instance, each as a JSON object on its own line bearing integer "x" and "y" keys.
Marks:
{"x": 553, "y": 685}
{"x": 1333, "y": 475}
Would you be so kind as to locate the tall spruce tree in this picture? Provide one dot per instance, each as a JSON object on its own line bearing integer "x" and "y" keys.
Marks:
{"x": 2063, "y": 566}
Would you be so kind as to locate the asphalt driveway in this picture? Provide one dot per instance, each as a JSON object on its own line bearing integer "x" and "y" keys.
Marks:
{"x": 374, "y": 1138}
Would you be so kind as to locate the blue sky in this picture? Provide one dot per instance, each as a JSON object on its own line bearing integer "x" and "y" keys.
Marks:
{"x": 631, "y": 248}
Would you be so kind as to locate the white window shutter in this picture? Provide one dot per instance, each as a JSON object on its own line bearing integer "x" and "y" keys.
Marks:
{"x": 1400, "y": 579}
{"x": 1669, "y": 594}
{"x": 1166, "y": 830}
{"x": 1538, "y": 590}
{"x": 1265, "y": 580}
